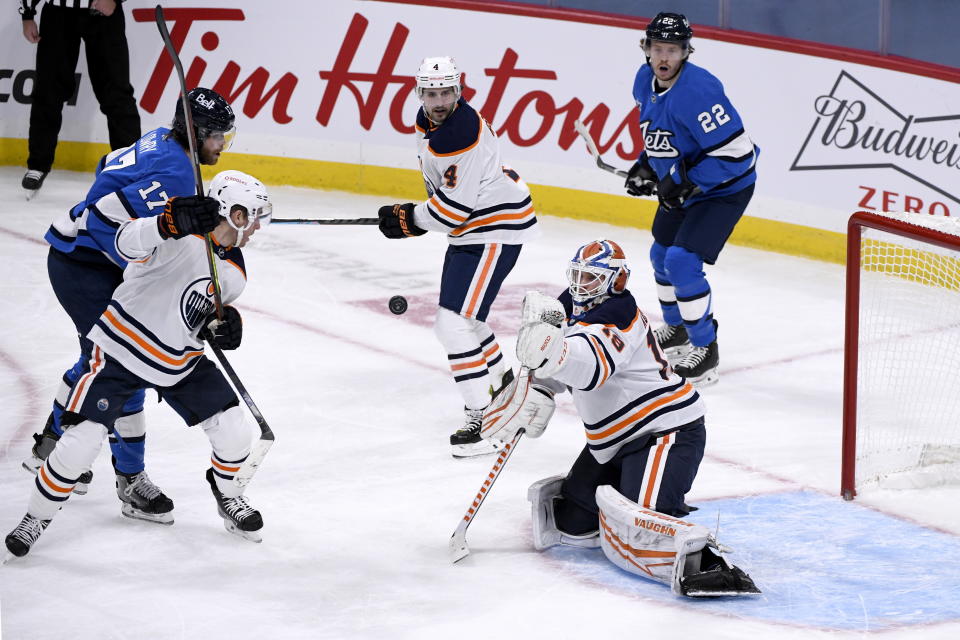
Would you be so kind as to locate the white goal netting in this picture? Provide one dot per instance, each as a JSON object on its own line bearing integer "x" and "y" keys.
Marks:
{"x": 908, "y": 374}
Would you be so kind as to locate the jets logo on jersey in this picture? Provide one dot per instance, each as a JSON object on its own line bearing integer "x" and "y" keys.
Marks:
{"x": 196, "y": 303}
{"x": 657, "y": 142}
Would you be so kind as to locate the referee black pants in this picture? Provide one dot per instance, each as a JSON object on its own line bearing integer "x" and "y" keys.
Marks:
{"x": 108, "y": 64}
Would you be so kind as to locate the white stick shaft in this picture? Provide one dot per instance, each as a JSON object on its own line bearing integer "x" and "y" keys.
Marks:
{"x": 458, "y": 541}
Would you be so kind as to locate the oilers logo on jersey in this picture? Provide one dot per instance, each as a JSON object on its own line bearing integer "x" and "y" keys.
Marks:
{"x": 196, "y": 303}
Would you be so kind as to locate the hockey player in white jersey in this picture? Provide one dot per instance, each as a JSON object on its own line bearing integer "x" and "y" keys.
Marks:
{"x": 485, "y": 209}
{"x": 643, "y": 423}
{"x": 149, "y": 336}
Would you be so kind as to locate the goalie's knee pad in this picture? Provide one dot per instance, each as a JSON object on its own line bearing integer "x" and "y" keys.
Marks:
{"x": 542, "y": 496}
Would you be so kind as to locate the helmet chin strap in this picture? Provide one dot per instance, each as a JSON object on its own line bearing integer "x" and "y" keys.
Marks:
{"x": 580, "y": 309}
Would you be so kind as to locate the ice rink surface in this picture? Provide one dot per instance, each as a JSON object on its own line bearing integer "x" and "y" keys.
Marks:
{"x": 360, "y": 494}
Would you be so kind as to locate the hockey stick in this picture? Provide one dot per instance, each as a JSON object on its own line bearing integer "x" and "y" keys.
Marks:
{"x": 458, "y": 541}
{"x": 262, "y": 446}
{"x": 325, "y": 221}
{"x": 192, "y": 140}
{"x": 592, "y": 148}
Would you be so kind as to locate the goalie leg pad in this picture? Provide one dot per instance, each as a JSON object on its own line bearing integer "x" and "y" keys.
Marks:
{"x": 543, "y": 496}
{"x": 644, "y": 542}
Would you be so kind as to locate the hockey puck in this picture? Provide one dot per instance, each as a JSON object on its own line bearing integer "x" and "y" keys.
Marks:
{"x": 397, "y": 305}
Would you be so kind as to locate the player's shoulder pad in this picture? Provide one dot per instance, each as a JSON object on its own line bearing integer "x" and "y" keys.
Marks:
{"x": 234, "y": 256}
{"x": 459, "y": 133}
{"x": 697, "y": 82}
{"x": 642, "y": 82}
{"x": 618, "y": 310}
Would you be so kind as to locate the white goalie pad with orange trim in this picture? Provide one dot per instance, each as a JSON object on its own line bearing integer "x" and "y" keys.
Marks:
{"x": 522, "y": 404}
{"x": 645, "y": 542}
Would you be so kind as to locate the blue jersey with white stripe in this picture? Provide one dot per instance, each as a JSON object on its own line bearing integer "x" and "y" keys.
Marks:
{"x": 694, "y": 122}
{"x": 133, "y": 182}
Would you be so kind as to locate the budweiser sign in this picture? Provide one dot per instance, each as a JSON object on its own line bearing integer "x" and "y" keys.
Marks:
{"x": 855, "y": 128}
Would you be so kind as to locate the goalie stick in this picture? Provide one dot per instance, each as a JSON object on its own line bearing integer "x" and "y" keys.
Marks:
{"x": 259, "y": 451}
{"x": 194, "y": 154}
{"x": 325, "y": 221}
{"x": 458, "y": 541}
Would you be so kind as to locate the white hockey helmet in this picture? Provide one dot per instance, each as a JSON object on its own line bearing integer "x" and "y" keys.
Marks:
{"x": 235, "y": 188}
{"x": 437, "y": 73}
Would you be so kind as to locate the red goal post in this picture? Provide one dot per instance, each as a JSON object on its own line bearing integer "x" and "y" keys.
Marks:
{"x": 901, "y": 387}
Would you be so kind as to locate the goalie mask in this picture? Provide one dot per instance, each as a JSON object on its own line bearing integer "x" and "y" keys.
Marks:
{"x": 598, "y": 270}
{"x": 237, "y": 189}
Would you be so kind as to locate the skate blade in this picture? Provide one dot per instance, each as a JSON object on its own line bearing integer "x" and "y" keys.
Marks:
{"x": 81, "y": 489}
{"x": 32, "y": 465}
{"x": 31, "y": 193}
{"x": 707, "y": 379}
{"x": 134, "y": 513}
{"x": 252, "y": 536}
{"x": 7, "y": 558}
{"x": 676, "y": 353}
{"x": 474, "y": 449}
{"x": 721, "y": 594}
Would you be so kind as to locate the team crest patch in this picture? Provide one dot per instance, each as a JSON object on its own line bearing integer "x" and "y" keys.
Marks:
{"x": 103, "y": 404}
{"x": 196, "y": 302}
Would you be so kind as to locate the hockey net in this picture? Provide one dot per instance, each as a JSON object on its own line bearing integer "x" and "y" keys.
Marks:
{"x": 901, "y": 410}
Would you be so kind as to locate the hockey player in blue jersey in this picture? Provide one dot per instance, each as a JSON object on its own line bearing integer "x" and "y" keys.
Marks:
{"x": 701, "y": 163}
{"x": 85, "y": 268}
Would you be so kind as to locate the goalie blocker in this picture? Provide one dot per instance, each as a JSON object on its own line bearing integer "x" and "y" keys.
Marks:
{"x": 679, "y": 554}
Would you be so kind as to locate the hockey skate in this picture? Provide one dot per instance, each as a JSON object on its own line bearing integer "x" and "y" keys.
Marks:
{"x": 716, "y": 577}
{"x": 672, "y": 339}
{"x": 466, "y": 442}
{"x": 32, "y": 181}
{"x": 505, "y": 380}
{"x": 22, "y": 538}
{"x": 143, "y": 500}
{"x": 43, "y": 444}
{"x": 239, "y": 518}
{"x": 699, "y": 365}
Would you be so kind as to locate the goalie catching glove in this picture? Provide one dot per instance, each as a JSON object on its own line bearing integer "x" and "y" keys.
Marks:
{"x": 226, "y": 333}
{"x": 187, "y": 215}
{"x": 540, "y": 343}
{"x": 396, "y": 221}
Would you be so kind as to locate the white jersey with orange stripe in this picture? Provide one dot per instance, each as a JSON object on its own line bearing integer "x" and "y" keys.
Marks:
{"x": 473, "y": 196}
{"x": 152, "y": 323}
{"x": 622, "y": 384}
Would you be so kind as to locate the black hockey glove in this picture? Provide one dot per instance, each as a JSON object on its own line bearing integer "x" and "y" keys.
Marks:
{"x": 396, "y": 221}
{"x": 227, "y": 333}
{"x": 188, "y": 215}
{"x": 641, "y": 180}
{"x": 675, "y": 189}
